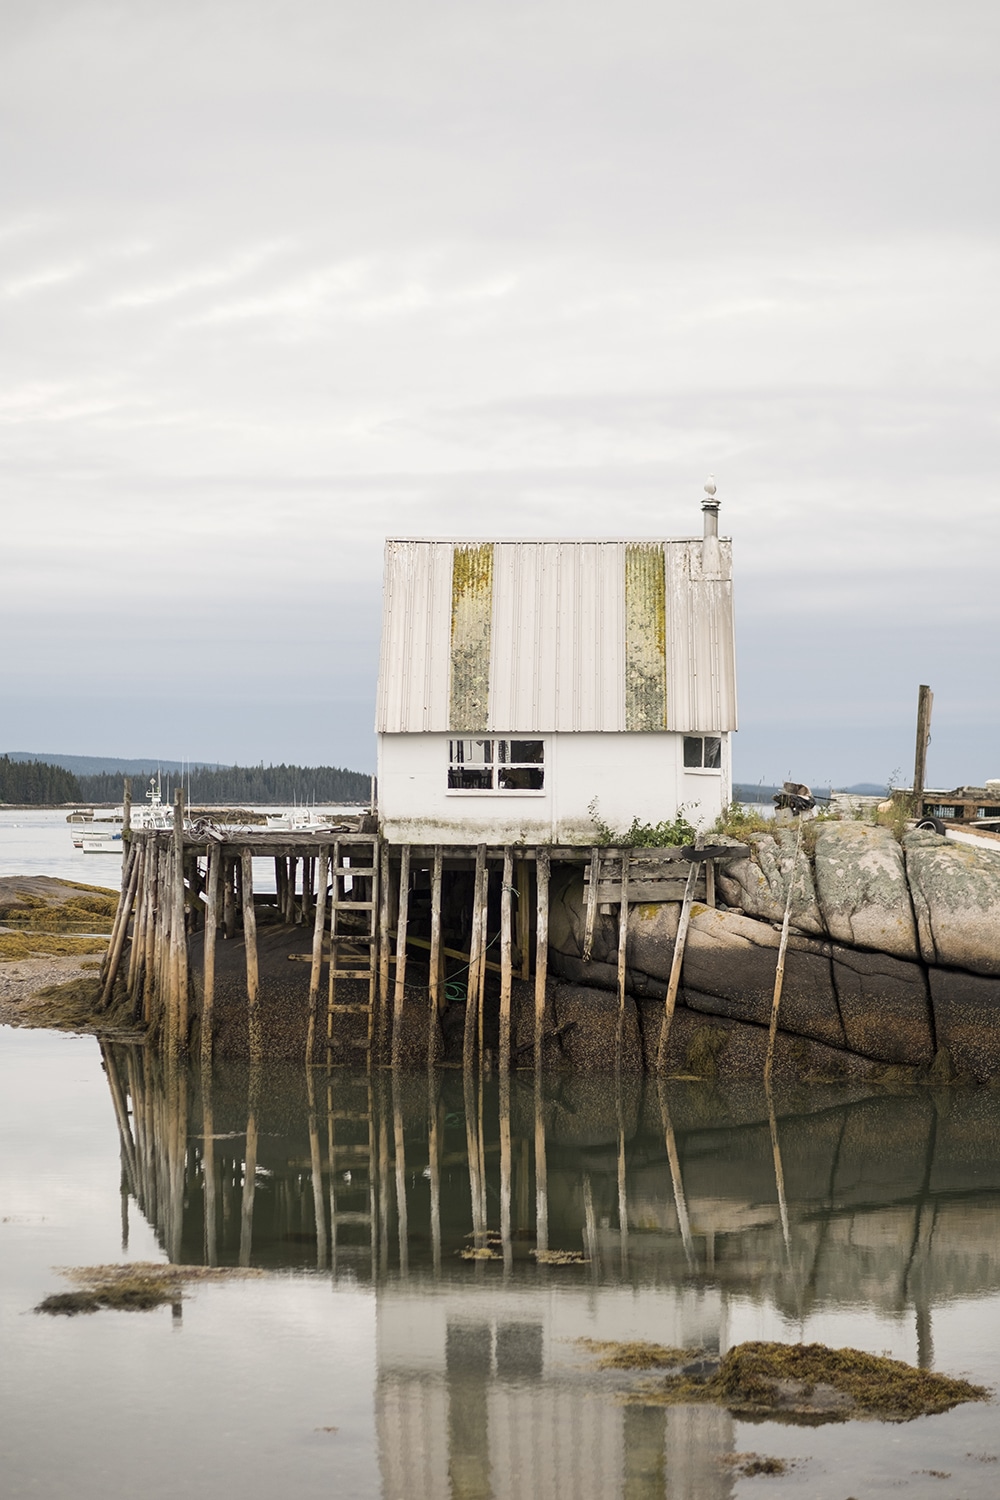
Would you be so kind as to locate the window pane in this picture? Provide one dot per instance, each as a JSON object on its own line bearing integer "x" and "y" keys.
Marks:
{"x": 527, "y": 752}
{"x": 470, "y": 779}
{"x": 692, "y": 749}
{"x": 520, "y": 778}
{"x": 713, "y": 752}
{"x": 471, "y": 752}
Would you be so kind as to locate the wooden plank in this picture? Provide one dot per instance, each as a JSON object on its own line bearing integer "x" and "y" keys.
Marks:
{"x": 178, "y": 931}
{"x": 522, "y": 924}
{"x": 541, "y": 949}
{"x": 645, "y": 891}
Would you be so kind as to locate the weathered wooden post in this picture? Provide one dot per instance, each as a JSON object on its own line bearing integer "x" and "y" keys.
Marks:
{"x": 211, "y": 930}
{"x": 779, "y": 977}
{"x": 506, "y": 970}
{"x": 542, "y": 866}
{"x": 475, "y": 958}
{"x": 676, "y": 965}
{"x": 925, "y": 703}
{"x": 434, "y": 963}
{"x": 399, "y": 989}
{"x": 253, "y": 975}
{"x": 178, "y": 932}
{"x": 315, "y": 972}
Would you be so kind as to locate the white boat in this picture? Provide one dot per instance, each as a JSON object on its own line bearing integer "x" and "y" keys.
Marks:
{"x": 104, "y": 835}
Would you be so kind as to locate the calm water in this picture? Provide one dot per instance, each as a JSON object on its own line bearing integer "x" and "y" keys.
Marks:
{"x": 41, "y": 843}
{"x": 445, "y": 1377}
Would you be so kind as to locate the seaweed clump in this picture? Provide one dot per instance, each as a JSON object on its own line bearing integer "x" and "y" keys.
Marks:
{"x": 136, "y": 1286}
{"x": 637, "y": 1355}
{"x": 812, "y": 1383}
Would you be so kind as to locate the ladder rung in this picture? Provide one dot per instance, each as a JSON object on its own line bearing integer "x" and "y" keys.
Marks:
{"x": 350, "y": 1010}
{"x": 344, "y": 1114}
{"x": 352, "y": 905}
{"x": 352, "y": 974}
{"x": 353, "y": 870}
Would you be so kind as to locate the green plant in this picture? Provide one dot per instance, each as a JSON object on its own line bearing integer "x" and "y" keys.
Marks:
{"x": 643, "y": 835}
{"x": 736, "y": 820}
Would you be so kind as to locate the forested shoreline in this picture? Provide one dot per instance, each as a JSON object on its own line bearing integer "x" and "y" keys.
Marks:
{"x": 34, "y": 783}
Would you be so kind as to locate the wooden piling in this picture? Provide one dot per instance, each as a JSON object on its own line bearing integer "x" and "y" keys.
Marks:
{"x": 253, "y": 978}
{"x": 522, "y": 933}
{"x": 120, "y": 929}
{"x": 399, "y": 990}
{"x": 591, "y": 917}
{"x": 541, "y": 1173}
{"x": 505, "y": 958}
{"x": 385, "y": 902}
{"x": 138, "y": 947}
{"x": 178, "y": 932}
{"x": 434, "y": 972}
{"x": 151, "y": 933}
{"x": 542, "y": 866}
{"x": 779, "y": 976}
{"x": 229, "y": 898}
{"x": 676, "y": 965}
{"x": 211, "y": 930}
{"x": 475, "y": 958}
{"x": 316, "y": 971}
{"x": 622, "y": 958}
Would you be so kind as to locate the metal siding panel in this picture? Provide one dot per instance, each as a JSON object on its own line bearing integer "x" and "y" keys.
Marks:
{"x": 645, "y": 637}
{"x": 471, "y": 633}
{"x": 555, "y": 646}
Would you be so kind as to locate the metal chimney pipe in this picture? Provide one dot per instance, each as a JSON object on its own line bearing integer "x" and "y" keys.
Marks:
{"x": 710, "y": 542}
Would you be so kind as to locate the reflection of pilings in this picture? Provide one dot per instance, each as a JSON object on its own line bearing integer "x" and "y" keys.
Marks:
{"x": 505, "y": 1167}
{"x": 208, "y": 1168}
{"x": 316, "y": 1167}
{"x": 475, "y": 1161}
{"x": 468, "y": 1358}
{"x": 779, "y": 1176}
{"x": 541, "y": 1173}
{"x": 590, "y": 1246}
{"x": 249, "y": 1177}
{"x": 644, "y": 1445}
{"x": 622, "y": 1195}
{"x": 121, "y": 1116}
{"x": 680, "y": 1202}
{"x": 399, "y": 1154}
{"x": 434, "y": 1168}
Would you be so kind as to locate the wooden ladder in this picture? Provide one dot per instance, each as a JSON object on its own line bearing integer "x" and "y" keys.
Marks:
{"x": 353, "y": 952}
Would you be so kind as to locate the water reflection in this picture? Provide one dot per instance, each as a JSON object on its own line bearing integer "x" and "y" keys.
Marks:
{"x": 444, "y": 1193}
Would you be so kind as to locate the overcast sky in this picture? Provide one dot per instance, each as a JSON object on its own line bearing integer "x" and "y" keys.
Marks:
{"x": 281, "y": 277}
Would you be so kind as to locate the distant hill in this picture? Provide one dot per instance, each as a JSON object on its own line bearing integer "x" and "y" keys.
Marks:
{"x": 749, "y": 791}
{"x": 96, "y": 765}
{"x": 27, "y": 780}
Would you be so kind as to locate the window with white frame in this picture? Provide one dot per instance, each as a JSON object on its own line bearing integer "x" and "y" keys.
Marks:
{"x": 702, "y": 752}
{"x": 496, "y": 765}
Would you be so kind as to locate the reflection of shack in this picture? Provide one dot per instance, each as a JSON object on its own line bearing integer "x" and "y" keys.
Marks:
{"x": 483, "y": 1396}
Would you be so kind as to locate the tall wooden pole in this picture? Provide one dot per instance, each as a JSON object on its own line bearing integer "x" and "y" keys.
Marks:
{"x": 399, "y": 990}
{"x": 315, "y": 972}
{"x": 434, "y": 970}
{"x": 211, "y": 930}
{"x": 505, "y": 958}
{"x": 676, "y": 965}
{"x": 475, "y": 958}
{"x": 178, "y": 933}
{"x": 779, "y": 977}
{"x": 925, "y": 702}
{"x": 253, "y": 975}
{"x": 541, "y": 949}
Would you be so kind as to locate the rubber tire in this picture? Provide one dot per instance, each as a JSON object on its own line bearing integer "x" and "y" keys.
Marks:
{"x": 935, "y": 825}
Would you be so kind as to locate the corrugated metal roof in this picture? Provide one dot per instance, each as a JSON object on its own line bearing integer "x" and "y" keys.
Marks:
{"x": 549, "y": 636}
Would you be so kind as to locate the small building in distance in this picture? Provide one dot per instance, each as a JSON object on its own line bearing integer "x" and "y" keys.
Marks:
{"x": 529, "y": 688}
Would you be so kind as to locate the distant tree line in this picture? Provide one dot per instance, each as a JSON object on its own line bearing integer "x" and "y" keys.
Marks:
{"x": 33, "y": 782}
{"x": 244, "y": 785}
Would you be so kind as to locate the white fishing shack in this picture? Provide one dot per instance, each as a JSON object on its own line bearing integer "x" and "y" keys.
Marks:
{"x": 529, "y": 687}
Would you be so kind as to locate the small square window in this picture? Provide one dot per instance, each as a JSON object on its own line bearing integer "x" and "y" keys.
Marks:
{"x": 703, "y": 752}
